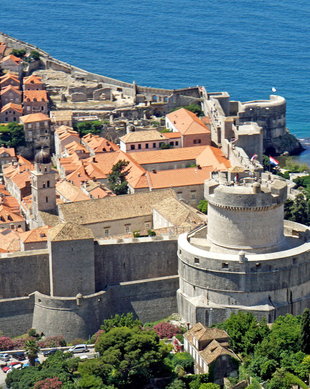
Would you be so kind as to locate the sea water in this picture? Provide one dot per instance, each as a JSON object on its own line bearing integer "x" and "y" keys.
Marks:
{"x": 244, "y": 47}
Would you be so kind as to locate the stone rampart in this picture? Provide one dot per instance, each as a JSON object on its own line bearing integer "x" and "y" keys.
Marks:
{"x": 23, "y": 273}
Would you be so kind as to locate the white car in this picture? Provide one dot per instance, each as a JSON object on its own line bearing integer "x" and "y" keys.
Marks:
{"x": 79, "y": 348}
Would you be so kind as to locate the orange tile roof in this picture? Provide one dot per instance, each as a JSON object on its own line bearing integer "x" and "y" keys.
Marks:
{"x": 179, "y": 177}
{"x": 10, "y": 88}
{"x": 70, "y": 191}
{"x": 9, "y": 240}
{"x": 15, "y": 107}
{"x": 7, "y": 215}
{"x": 98, "y": 144}
{"x": 187, "y": 122}
{"x": 11, "y": 57}
{"x": 8, "y": 150}
{"x": 77, "y": 176}
{"x": 167, "y": 155}
{"x": 34, "y": 117}
{"x": 36, "y": 235}
{"x": 66, "y": 135}
{"x": 33, "y": 79}
{"x": 22, "y": 180}
{"x": 35, "y": 95}
{"x": 9, "y": 76}
{"x": 213, "y": 156}
{"x": 63, "y": 129}
{"x": 172, "y": 135}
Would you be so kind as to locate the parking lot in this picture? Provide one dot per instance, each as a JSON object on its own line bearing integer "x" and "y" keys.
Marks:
{"x": 86, "y": 355}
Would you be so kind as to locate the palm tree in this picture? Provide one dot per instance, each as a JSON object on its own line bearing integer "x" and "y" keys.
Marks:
{"x": 32, "y": 350}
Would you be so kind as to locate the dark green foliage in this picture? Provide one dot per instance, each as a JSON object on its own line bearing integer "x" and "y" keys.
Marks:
{"x": 266, "y": 162}
{"x": 254, "y": 384}
{"x": 196, "y": 108}
{"x": 209, "y": 386}
{"x": 93, "y": 127}
{"x": 203, "y": 206}
{"x": 19, "y": 53}
{"x": 121, "y": 321}
{"x": 12, "y": 135}
{"x": 304, "y": 336}
{"x": 117, "y": 178}
{"x": 164, "y": 146}
{"x": 298, "y": 210}
{"x": 32, "y": 350}
{"x": 134, "y": 355}
{"x": 176, "y": 384}
{"x": 35, "y": 55}
{"x": 151, "y": 233}
{"x": 183, "y": 359}
{"x": 244, "y": 331}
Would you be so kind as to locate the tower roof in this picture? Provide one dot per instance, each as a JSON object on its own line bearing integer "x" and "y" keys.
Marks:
{"x": 42, "y": 157}
{"x": 69, "y": 231}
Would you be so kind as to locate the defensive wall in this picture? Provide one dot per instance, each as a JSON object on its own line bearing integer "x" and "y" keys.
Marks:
{"x": 136, "y": 275}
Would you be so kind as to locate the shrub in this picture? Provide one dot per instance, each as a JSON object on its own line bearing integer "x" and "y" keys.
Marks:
{"x": 6, "y": 343}
{"x": 166, "y": 330}
{"x": 53, "y": 341}
{"x": 183, "y": 359}
{"x": 78, "y": 341}
{"x": 96, "y": 336}
{"x": 19, "y": 343}
{"x": 48, "y": 383}
{"x": 32, "y": 332}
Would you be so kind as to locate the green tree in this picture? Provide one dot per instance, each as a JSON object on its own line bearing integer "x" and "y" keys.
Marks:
{"x": 32, "y": 350}
{"x": 135, "y": 355}
{"x": 35, "y": 55}
{"x": 183, "y": 359}
{"x": 177, "y": 384}
{"x": 89, "y": 127}
{"x": 209, "y": 385}
{"x": 299, "y": 209}
{"x": 117, "y": 178}
{"x": 121, "y": 321}
{"x": 203, "y": 206}
{"x": 19, "y": 53}
{"x": 304, "y": 336}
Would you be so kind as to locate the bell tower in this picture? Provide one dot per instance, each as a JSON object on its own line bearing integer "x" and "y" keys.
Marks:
{"x": 42, "y": 185}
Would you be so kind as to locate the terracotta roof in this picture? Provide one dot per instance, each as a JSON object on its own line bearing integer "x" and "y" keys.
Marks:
{"x": 202, "y": 332}
{"x": 11, "y": 57}
{"x": 35, "y": 95}
{"x": 69, "y": 231}
{"x": 77, "y": 176}
{"x": 179, "y": 177}
{"x": 143, "y": 136}
{"x": 187, "y": 122}
{"x": 64, "y": 129}
{"x": 9, "y": 76}
{"x": 33, "y": 79}
{"x": 67, "y": 135}
{"x": 9, "y": 240}
{"x": 22, "y": 180}
{"x": 8, "y": 150}
{"x": 36, "y": 235}
{"x": 172, "y": 135}
{"x": 7, "y": 215}
{"x": 167, "y": 155}
{"x": 15, "y": 107}
{"x": 178, "y": 213}
{"x": 113, "y": 208}
{"x": 70, "y": 192}
{"x": 98, "y": 144}
{"x": 214, "y": 350}
{"x": 213, "y": 156}
{"x": 34, "y": 117}
{"x": 10, "y": 88}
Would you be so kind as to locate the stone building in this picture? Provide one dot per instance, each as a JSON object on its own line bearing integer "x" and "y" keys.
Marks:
{"x": 37, "y": 129}
{"x": 248, "y": 258}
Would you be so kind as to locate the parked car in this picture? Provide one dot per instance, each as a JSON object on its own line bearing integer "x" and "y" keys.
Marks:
{"x": 4, "y": 357}
{"x": 15, "y": 365}
{"x": 6, "y": 369}
{"x": 50, "y": 352}
{"x": 19, "y": 355}
{"x": 79, "y": 348}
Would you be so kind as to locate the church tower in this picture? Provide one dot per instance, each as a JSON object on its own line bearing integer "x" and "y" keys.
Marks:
{"x": 42, "y": 186}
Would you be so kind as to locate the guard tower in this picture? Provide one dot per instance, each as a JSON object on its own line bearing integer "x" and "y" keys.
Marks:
{"x": 42, "y": 186}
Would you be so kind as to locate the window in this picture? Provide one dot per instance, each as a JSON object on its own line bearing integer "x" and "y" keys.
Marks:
{"x": 147, "y": 226}
{"x": 193, "y": 195}
{"x": 146, "y": 145}
{"x": 171, "y": 143}
{"x": 46, "y": 199}
{"x": 48, "y": 184}
{"x": 43, "y": 184}
{"x": 197, "y": 141}
{"x": 196, "y": 260}
{"x": 154, "y": 145}
{"x": 179, "y": 194}
{"x": 225, "y": 265}
{"x": 107, "y": 232}
{"x": 132, "y": 147}
{"x": 127, "y": 228}
{"x": 139, "y": 147}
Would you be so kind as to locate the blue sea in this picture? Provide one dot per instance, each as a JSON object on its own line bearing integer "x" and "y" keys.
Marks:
{"x": 244, "y": 47}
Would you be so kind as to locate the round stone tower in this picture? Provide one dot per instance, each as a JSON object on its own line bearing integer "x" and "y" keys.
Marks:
{"x": 247, "y": 258}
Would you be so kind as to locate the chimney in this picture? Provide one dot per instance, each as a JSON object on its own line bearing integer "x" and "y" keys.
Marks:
{"x": 12, "y": 226}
